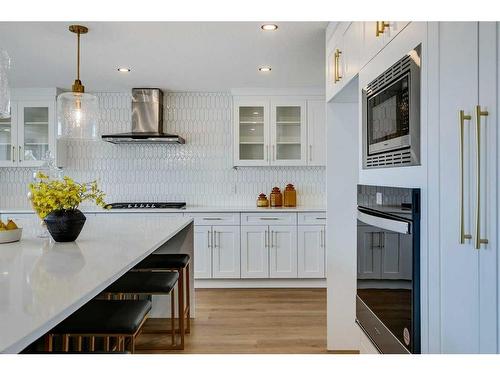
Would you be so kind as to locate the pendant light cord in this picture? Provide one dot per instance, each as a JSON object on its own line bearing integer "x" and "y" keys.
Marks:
{"x": 78, "y": 57}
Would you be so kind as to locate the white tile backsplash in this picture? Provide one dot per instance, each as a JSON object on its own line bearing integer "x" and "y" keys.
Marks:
{"x": 199, "y": 172}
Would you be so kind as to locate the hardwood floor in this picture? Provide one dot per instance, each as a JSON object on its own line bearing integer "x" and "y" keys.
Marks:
{"x": 251, "y": 321}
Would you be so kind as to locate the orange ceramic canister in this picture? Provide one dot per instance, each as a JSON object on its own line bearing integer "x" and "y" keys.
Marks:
{"x": 276, "y": 197}
{"x": 290, "y": 196}
{"x": 262, "y": 200}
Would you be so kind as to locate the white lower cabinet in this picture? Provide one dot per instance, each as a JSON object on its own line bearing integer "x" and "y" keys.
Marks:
{"x": 202, "y": 252}
{"x": 254, "y": 251}
{"x": 282, "y": 251}
{"x": 381, "y": 255}
{"x": 311, "y": 251}
{"x": 225, "y": 252}
{"x": 217, "y": 252}
{"x": 269, "y": 251}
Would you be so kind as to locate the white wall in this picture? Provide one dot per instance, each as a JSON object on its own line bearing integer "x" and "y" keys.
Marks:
{"x": 199, "y": 172}
{"x": 342, "y": 177}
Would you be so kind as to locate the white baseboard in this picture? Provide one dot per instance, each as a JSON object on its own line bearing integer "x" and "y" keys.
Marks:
{"x": 259, "y": 283}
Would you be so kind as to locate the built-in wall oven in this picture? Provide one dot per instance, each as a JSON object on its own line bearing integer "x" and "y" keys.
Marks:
{"x": 391, "y": 115}
{"x": 388, "y": 267}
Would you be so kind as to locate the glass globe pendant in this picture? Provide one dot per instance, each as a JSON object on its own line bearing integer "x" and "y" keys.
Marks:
{"x": 77, "y": 111}
{"x": 4, "y": 84}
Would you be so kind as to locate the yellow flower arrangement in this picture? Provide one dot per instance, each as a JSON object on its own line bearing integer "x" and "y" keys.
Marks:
{"x": 49, "y": 195}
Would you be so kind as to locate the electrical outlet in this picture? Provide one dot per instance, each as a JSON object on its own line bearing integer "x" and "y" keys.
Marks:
{"x": 378, "y": 198}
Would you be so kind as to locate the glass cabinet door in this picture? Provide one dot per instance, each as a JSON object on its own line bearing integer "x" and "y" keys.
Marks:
{"x": 289, "y": 133}
{"x": 252, "y": 133}
{"x": 34, "y": 137}
{"x": 7, "y": 141}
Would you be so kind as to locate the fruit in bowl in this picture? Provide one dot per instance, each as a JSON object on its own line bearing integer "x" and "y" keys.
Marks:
{"x": 10, "y": 232}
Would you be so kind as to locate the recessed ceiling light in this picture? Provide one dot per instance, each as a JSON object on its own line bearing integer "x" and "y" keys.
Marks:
{"x": 124, "y": 70}
{"x": 256, "y": 113}
{"x": 265, "y": 69}
{"x": 269, "y": 27}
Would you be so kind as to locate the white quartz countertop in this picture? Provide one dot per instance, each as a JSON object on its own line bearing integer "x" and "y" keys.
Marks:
{"x": 189, "y": 209}
{"x": 42, "y": 282}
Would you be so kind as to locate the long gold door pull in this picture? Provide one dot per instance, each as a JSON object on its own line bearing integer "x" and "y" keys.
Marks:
{"x": 478, "y": 240}
{"x": 462, "y": 117}
{"x": 380, "y": 27}
{"x": 337, "y": 64}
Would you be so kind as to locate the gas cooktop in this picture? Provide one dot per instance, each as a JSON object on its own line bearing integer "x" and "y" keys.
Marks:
{"x": 142, "y": 205}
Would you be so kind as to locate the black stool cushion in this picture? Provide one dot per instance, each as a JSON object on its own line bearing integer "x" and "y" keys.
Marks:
{"x": 163, "y": 261}
{"x": 106, "y": 317}
{"x": 144, "y": 282}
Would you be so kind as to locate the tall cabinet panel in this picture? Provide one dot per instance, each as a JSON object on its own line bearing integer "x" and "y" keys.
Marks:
{"x": 468, "y": 187}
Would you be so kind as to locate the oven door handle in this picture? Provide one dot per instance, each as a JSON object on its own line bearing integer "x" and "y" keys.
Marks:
{"x": 393, "y": 225}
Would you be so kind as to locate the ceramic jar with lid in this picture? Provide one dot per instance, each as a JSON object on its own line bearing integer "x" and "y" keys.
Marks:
{"x": 276, "y": 197}
{"x": 290, "y": 196}
{"x": 262, "y": 200}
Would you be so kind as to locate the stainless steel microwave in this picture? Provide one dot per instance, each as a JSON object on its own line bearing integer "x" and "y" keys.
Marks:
{"x": 391, "y": 115}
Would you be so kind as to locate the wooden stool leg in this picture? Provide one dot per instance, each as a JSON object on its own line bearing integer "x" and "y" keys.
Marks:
{"x": 79, "y": 343}
{"x": 49, "y": 339}
{"x": 132, "y": 344}
{"x": 188, "y": 300}
{"x": 92, "y": 343}
{"x": 180, "y": 286}
{"x": 65, "y": 343}
{"x": 172, "y": 315}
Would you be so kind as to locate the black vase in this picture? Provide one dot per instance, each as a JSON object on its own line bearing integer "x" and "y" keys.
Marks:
{"x": 65, "y": 225}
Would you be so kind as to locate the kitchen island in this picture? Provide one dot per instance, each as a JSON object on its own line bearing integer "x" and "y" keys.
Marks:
{"x": 42, "y": 282}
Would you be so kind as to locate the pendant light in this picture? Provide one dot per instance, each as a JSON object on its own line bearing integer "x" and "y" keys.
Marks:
{"x": 77, "y": 111}
{"x": 4, "y": 84}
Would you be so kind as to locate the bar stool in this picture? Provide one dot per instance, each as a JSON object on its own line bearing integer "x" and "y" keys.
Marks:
{"x": 152, "y": 283}
{"x": 179, "y": 263}
{"x": 104, "y": 318}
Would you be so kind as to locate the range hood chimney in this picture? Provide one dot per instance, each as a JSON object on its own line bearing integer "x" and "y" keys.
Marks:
{"x": 147, "y": 120}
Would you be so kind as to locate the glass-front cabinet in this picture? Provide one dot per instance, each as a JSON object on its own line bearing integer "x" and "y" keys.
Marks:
{"x": 30, "y": 132}
{"x": 288, "y": 133}
{"x": 270, "y": 132}
{"x": 252, "y": 133}
{"x": 8, "y": 139}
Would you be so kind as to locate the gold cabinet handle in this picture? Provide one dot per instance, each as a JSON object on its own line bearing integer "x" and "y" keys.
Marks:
{"x": 478, "y": 240}
{"x": 380, "y": 27}
{"x": 337, "y": 63}
{"x": 462, "y": 117}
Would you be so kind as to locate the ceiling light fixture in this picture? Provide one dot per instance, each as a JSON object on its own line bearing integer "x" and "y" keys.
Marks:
{"x": 269, "y": 27}
{"x": 124, "y": 70}
{"x": 77, "y": 111}
{"x": 265, "y": 69}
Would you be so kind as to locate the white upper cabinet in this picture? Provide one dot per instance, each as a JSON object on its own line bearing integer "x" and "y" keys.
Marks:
{"x": 351, "y": 46}
{"x": 288, "y": 132}
{"x": 251, "y": 132}
{"x": 316, "y": 132}
{"x": 275, "y": 131}
{"x": 30, "y": 132}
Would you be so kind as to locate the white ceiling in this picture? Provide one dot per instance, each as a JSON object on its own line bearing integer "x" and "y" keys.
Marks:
{"x": 185, "y": 56}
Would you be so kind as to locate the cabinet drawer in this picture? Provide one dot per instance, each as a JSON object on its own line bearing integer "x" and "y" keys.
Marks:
{"x": 312, "y": 218}
{"x": 268, "y": 218}
{"x": 215, "y": 218}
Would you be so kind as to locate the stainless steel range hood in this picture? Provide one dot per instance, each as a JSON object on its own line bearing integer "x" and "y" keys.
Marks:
{"x": 147, "y": 120}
